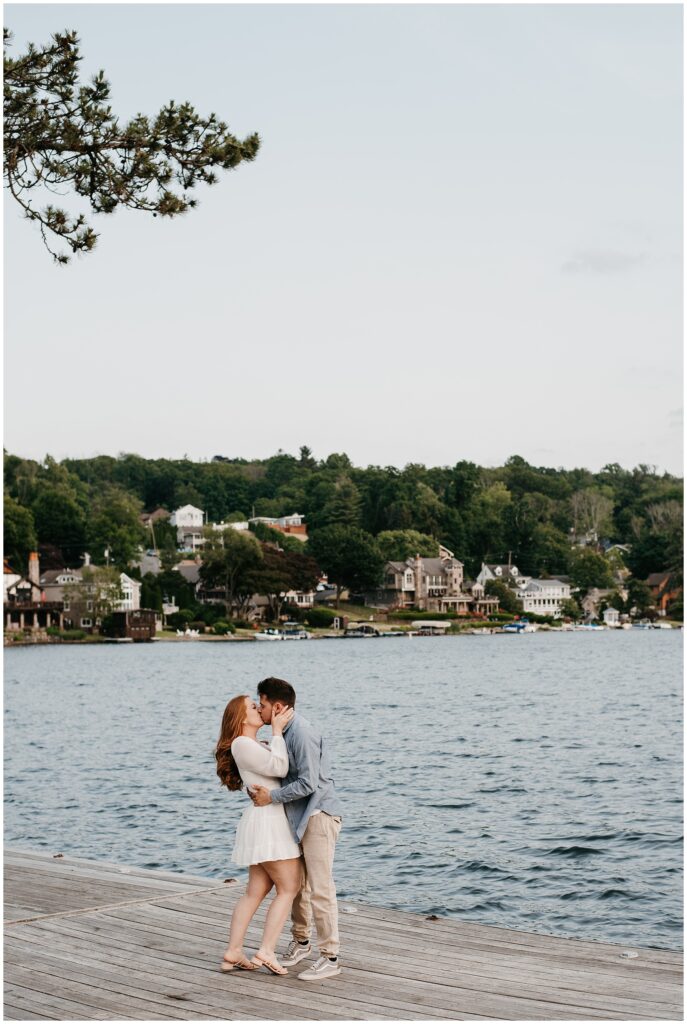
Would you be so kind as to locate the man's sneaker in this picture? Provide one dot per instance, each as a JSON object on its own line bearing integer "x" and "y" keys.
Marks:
{"x": 322, "y": 968}
{"x": 295, "y": 953}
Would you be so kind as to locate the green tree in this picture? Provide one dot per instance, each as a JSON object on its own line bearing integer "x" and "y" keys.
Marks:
{"x": 570, "y": 609}
{"x": 488, "y": 520}
{"x": 281, "y": 571}
{"x": 230, "y": 561}
{"x": 114, "y": 529}
{"x": 639, "y": 597}
{"x": 60, "y": 521}
{"x": 19, "y": 533}
{"x": 60, "y": 135}
{"x": 397, "y": 545}
{"x": 151, "y": 595}
{"x": 589, "y": 569}
{"x": 349, "y": 556}
{"x": 175, "y": 588}
{"x": 508, "y": 602}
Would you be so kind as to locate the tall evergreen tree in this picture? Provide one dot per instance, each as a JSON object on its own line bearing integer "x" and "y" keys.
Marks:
{"x": 60, "y": 134}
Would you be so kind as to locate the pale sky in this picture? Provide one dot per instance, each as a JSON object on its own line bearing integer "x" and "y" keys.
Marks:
{"x": 461, "y": 240}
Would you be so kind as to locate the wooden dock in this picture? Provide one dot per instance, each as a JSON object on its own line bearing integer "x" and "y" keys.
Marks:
{"x": 91, "y": 941}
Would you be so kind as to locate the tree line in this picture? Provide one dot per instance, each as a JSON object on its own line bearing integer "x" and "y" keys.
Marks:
{"x": 360, "y": 516}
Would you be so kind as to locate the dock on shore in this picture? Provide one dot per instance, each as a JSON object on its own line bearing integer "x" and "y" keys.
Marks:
{"x": 94, "y": 941}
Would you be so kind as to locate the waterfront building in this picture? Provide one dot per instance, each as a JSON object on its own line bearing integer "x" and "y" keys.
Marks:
{"x": 77, "y": 597}
{"x": 544, "y": 597}
{"x": 508, "y": 574}
{"x": 26, "y": 604}
{"x": 10, "y": 577}
{"x": 595, "y": 595}
{"x": 432, "y": 584}
{"x": 663, "y": 589}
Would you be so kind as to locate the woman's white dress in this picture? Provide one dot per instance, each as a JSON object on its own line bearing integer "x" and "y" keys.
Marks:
{"x": 263, "y": 833}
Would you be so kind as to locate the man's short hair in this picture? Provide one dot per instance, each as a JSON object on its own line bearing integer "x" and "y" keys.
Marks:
{"x": 277, "y": 690}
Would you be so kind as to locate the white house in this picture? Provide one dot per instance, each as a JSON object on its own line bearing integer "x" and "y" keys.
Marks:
{"x": 509, "y": 574}
{"x": 189, "y": 522}
{"x": 131, "y": 594}
{"x": 544, "y": 597}
{"x": 10, "y": 577}
{"x": 187, "y": 515}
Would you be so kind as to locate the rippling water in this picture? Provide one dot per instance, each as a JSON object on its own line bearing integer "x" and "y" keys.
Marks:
{"x": 531, "y": 782}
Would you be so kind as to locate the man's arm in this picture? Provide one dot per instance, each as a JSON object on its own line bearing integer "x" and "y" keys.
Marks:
{"x": 306, "y": 755}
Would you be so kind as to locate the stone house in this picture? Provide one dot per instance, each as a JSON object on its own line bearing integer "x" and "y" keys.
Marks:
{"x": 432, "y": 584}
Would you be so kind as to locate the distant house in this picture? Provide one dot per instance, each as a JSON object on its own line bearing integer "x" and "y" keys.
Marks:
{"x": 10, "y": 577}
{"x": 158, "y": 514}
{"x": 593, "y": 598}
{"x": 432, "y": 584}
{"x": 189, "y": 522}
{"x": 611, "y": 617}
{"x": 241, "y": 525}
{"x": 544, "y": 597}
{"x": 300, "y": 598}
{"x": 132, "y": 625}
{"x": 71, "y": 589}
{"x": 26, "y": 604}
{"x": 663, "y": 590}
{"x": 293, "y": 525}
{"x": 508, "y": 574}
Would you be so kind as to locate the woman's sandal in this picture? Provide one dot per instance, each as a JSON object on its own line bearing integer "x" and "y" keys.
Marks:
{"x": 271, "y": 965}
{"x": 244, "y": 964}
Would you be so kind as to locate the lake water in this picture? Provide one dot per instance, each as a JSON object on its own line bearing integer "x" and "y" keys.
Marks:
{"x": 531, "y": 782}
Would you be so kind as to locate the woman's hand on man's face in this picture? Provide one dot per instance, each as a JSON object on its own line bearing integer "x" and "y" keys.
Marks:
{"x": 280, "y": 719}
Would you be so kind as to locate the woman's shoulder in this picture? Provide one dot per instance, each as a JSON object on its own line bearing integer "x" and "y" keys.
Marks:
{"x": 241, "y": 741}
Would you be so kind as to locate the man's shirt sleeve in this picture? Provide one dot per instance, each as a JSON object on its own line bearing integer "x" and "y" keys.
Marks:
{"x": 306, "y": 756}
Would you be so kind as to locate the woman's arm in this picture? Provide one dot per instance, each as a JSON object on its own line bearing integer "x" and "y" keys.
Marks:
{"x": 253, "y": 756}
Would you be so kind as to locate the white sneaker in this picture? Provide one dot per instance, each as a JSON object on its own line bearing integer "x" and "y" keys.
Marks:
{"x": 322, "y": 968}
{"x": 295, "y": 953}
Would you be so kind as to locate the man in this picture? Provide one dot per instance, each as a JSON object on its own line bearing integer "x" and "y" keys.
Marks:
{"x": 314, "y": 814}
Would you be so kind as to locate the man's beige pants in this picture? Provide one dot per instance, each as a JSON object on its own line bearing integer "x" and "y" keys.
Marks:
{"x": 317, "y": 897}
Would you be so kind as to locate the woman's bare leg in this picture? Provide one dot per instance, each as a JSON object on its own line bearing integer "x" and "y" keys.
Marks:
{"x": 286, "y": 875}
{"x": 259, "y": 884}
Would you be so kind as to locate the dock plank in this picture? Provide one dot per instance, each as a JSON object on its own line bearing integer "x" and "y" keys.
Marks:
{"x": 89, "y": 940}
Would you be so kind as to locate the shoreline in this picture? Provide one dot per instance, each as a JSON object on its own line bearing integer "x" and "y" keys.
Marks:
{"x": 468, "y": 631}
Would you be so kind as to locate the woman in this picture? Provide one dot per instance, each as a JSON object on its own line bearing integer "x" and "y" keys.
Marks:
{"x": 264, "y": 842}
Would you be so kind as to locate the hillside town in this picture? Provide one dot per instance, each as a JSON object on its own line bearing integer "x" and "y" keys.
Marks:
{"x": 86, "y": 600}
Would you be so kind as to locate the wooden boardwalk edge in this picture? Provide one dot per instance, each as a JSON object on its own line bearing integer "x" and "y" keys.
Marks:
{"x": 87, "y": 940}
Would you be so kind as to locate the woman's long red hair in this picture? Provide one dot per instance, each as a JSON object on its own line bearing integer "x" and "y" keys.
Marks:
{"x": 232, "y": 726}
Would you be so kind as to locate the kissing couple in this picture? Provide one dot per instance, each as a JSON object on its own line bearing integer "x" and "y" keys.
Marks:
{"x": 287, "y": 835}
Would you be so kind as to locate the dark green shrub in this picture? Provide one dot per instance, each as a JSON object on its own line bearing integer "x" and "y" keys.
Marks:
{"x": 54, "y": 631}
{"x": 73, "y": 634}
{"x": 293, "y": 613}
{"x": 178, "y": 620}
{"x": 198, "y": 624}
{"x": 242, "y": 624}
{"x": 320, "y": 618}
{"x": 211, "y": 613}
{"x": 221, "y": 628}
